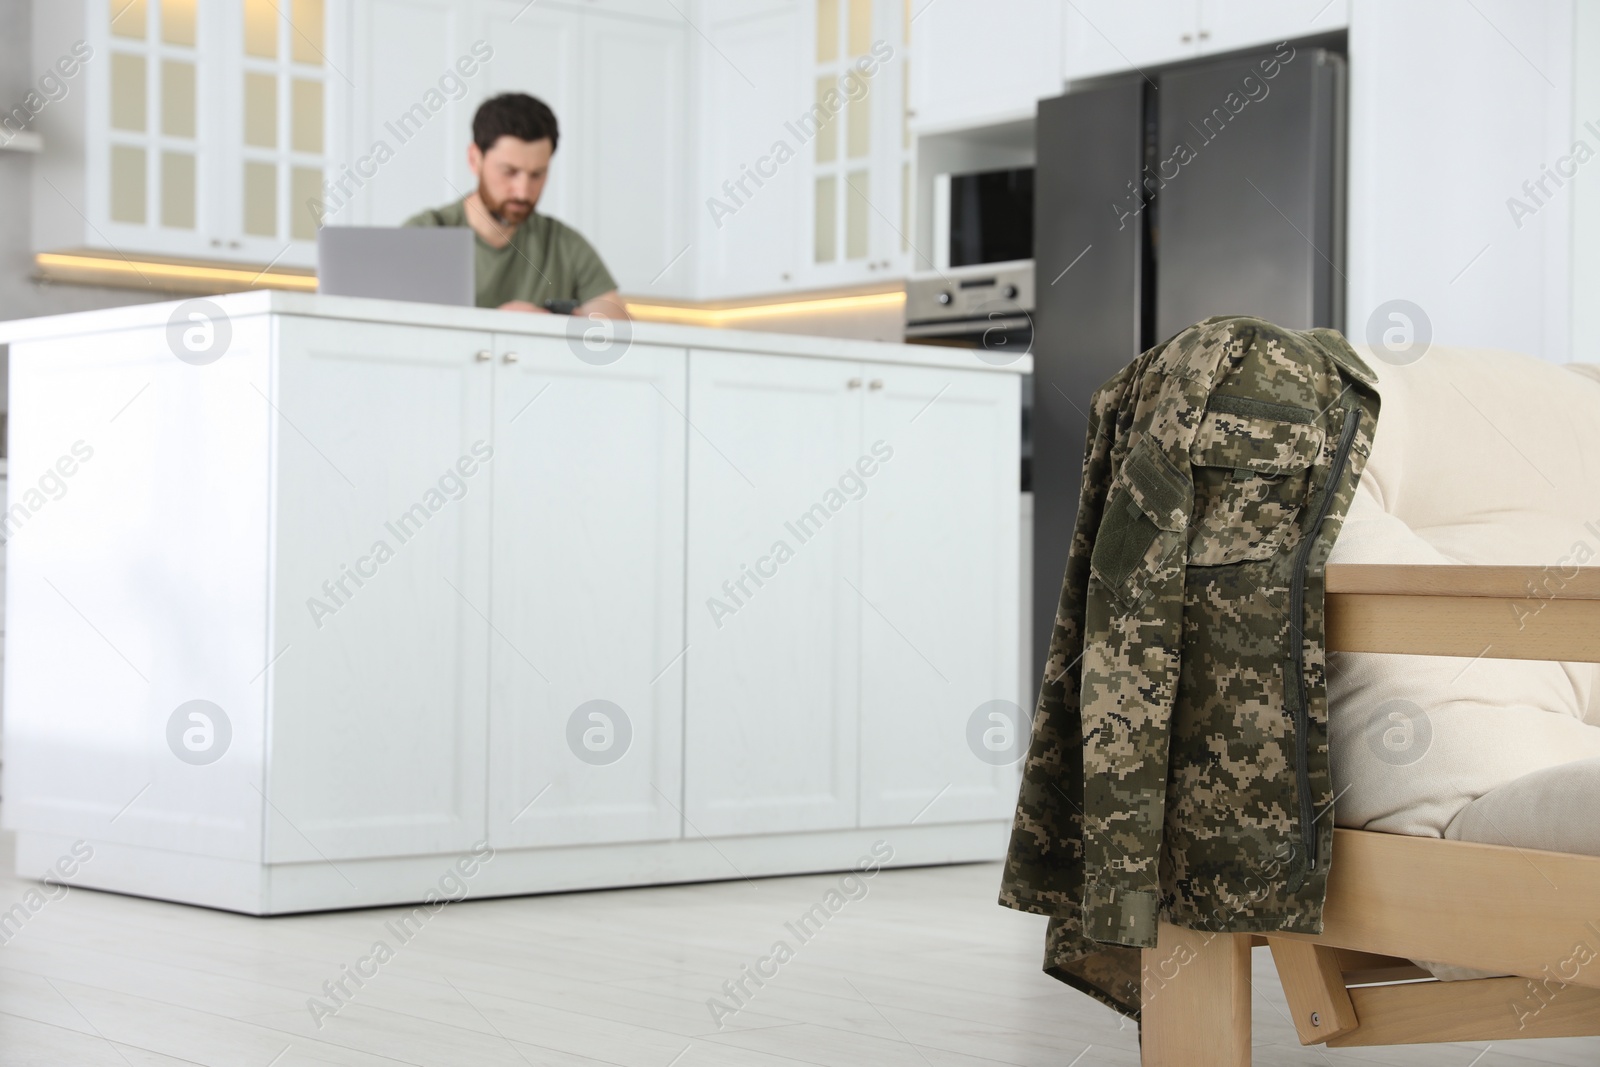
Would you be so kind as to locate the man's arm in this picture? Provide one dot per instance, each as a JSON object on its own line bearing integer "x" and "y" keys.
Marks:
{"x": 607, "y": 305}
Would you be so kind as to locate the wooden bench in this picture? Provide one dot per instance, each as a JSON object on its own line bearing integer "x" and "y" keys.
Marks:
{"x": 1530, "y": 914}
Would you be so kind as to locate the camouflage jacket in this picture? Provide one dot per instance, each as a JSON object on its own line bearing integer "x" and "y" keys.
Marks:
{"x": 1178, "y": 769}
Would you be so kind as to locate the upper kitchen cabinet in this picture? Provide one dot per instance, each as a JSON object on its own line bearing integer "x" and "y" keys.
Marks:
{"x": 976, "y": 64}
{"x": 856, "y": 137}
{"x": 416, "y": 70}
{"x": 277, "y": 98}
{"x": 1105, "y": 37}
{"x": 614, "y": 72}
{"x": 661, "y": 10}
{"x": 200, "y": 130}
{"x": 1226, "y": 25}
{"x": 754, "y": 181}
{"x": 633, "y": 141}
{"x": 721, "y": 11}
{"x": 806, "y": 150}
{"x": 1109, "y": 37}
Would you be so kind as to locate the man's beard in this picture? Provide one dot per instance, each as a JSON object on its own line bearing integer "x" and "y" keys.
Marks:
{"x": 505, "y": 212}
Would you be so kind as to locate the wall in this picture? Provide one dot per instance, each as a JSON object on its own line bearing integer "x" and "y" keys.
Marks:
{"x": 20, "y": 295}
{"x": 1586, "y": 184}
{"x": 1487, "y": 90}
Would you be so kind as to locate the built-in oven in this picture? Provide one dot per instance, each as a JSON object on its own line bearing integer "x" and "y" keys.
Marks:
{"x": 988, "y": 308}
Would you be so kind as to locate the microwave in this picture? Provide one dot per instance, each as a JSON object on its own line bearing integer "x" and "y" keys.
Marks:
{"x": 982, "y": 217}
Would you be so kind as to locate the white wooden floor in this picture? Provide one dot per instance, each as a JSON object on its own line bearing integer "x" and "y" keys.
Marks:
{"x": 925, "y": 969}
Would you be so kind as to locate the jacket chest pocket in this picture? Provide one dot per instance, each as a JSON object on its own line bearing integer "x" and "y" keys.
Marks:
{"x": 1252, "y": 474}
{"x": 1141, "y": 530}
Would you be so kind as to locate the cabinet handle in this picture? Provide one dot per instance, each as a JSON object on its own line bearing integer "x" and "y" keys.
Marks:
{"x": 876, "y": 383}
{"x": 510, "y": 357}
{"x": 853, "y": 383}
{"x": 483, "y": 355}
{"x": 1186, "y": 38}
{"x": 1205, "y": 35}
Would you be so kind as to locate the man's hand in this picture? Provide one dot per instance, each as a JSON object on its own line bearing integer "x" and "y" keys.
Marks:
{"x": 606, "y": 305}
{"x": 523, "y": 305}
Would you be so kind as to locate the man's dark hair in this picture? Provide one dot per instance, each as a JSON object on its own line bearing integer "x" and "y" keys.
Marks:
{"x": 518, "y": 115}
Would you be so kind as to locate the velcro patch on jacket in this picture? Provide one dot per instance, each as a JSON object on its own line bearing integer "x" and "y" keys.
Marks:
{"x": 1265, "y": 438}
{"x": 1163, "y": 491}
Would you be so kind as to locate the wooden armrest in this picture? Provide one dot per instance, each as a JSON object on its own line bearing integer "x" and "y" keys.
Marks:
{"x": 1548, "y": 613}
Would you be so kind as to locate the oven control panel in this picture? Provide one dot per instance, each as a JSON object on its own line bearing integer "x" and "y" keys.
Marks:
{"x": 982, "y": 292}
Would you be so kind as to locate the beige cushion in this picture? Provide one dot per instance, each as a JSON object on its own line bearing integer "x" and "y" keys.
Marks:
{"x": 1480, "y": 457}
{"x": 1550, "y": 809}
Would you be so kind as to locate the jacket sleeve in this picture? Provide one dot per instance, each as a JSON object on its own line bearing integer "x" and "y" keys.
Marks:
{"x": 1133, "y": 635}
{"x": 1044, "y": 863}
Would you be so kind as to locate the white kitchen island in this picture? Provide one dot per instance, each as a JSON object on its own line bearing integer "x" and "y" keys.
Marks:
{"x": 310, "y": 597}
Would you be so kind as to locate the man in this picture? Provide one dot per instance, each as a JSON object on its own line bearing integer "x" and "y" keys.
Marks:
{"x": 525, "y": 261}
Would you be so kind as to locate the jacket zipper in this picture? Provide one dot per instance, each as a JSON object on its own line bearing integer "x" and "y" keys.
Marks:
{"x": 1297, "y": 655}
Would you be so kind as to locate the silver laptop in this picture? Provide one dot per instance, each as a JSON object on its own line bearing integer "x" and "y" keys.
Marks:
{"x": 426, "y": 264}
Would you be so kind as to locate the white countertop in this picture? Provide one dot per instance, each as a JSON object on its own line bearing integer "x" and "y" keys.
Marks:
{"x": 263, "y": 302}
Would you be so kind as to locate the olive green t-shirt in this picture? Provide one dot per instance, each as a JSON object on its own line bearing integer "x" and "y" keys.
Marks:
{"x": 545, "y": 260}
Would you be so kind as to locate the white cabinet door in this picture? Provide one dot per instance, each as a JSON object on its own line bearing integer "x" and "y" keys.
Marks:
{"x": 635, "y": 150}
{"x": 536, "y": 51}
{"x": 661, "y": 10}
{"x": 974, "y": 63}
{"x": 939, "y": 579}
{"x": 1226, "y": 25}
{"x": 586, "y": 705}
{"x": 773, "y": 594}
{"x": 713, "y": 12}
{"x": 381, "y": 591}
{"x": 1107, "y": 36}
{"x": 749, "y": 207}
{"x": 400, "y": 51}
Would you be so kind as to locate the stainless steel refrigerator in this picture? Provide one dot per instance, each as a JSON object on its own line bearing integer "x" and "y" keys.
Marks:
{"x": 1163, "y": 199}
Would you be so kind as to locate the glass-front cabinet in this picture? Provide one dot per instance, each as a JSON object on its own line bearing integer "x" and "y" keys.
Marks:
{"x": 219, "y": 129}
{"x": 205, "y": 128}
{"x": 861, "y": 151}
{"x": 152, "y": 115}
{"x": 275, "y": 184}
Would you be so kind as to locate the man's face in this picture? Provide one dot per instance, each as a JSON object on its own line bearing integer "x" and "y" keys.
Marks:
{"x": 511, "y": 176}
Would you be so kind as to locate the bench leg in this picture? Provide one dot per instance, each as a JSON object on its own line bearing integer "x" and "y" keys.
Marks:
{"x": 1314, "y": 986}
{"x": 1195, "y": 993}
